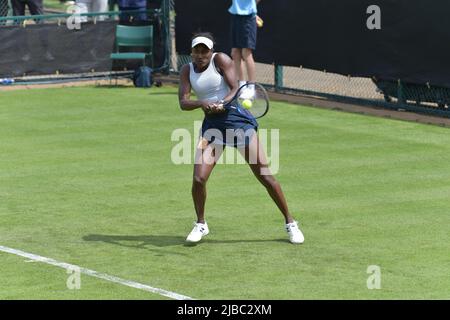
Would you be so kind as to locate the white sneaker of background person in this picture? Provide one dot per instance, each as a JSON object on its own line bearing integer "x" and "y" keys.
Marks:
{"x": 248, "y": 92}
{"x": 200, "y": 230}
{"x": 82, "y": 6}
{"x": 295, "y": 235}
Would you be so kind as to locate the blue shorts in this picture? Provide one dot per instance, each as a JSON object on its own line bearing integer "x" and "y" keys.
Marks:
{"x": 234, "y": 128}
{"x": 125, "y": 17}
{"x": 243, "y": 31}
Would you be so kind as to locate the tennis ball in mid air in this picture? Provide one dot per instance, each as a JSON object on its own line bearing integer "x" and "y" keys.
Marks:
{"x": 247, "y": 103}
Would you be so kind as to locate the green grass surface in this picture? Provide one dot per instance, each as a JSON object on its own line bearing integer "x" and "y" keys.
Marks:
{"x": 42, "y": 281}
{"x": 86, "y": 178}
{"x": 55, "y": 5}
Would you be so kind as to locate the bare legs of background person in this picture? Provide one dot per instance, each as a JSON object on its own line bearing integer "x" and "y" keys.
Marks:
{"x": 244, "y": 58}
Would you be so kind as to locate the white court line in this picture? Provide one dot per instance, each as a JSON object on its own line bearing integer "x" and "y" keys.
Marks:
{"x": 93, "y": 273}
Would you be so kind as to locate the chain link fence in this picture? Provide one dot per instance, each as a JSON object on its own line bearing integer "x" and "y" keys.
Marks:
{"x": 297, "y": 80}
{"x": 4, "y": 9}
{"x": 394, "y": 95}
{"x": 365, "y": 91}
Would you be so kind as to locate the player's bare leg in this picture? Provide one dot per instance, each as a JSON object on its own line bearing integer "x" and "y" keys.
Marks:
{"x": 254, "y": 155}
{"x": 256, "y": 158}
{"x": 205, "y": 159}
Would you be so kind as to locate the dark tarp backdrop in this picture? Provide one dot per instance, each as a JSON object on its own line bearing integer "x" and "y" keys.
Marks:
{"x": 47, "y": 48}
{"x": 413, "y": 44}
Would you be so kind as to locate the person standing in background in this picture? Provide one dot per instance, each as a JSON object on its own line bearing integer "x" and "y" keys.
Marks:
{"x": 112, "y": 4}
{"x": 91, "y": 6}
{"x": 36, "y": 7}
{"x": 243, "y": 40}
{"x": 140, "y": 5}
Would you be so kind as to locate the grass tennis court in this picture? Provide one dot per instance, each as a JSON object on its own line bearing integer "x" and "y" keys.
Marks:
{"x": 87, "y": 179}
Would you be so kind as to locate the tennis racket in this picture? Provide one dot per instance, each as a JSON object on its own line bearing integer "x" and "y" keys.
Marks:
{"x": 252, "y": 97}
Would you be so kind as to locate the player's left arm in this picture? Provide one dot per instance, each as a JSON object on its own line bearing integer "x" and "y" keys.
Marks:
{"x": 226, "y": 67}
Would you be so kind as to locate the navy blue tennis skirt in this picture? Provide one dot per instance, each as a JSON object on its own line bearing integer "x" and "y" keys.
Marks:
{"x": 243, "y": 31}
{"x": 234, "y": 127}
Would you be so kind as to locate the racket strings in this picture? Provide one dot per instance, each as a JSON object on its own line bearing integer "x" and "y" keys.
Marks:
{"x": 258, "y": 101}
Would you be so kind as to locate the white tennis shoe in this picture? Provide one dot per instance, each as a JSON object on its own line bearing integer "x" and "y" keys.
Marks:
{"x": 248, "y": 93}
{"x": 200, "y": 230}
{"x": 295, "y": 235}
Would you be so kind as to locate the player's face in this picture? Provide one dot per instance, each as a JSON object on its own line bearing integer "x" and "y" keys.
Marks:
{"x": 201, "y": 55}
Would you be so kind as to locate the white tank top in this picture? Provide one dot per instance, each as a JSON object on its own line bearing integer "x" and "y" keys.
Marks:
{"x": 208, "y": 85}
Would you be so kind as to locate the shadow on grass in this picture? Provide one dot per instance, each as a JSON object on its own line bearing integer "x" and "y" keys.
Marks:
{"x": 142, "y": 241}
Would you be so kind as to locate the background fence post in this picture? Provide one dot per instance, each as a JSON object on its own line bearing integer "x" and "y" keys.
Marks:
{"x": 278, "y": 77}
{"x": 400, "y": 93}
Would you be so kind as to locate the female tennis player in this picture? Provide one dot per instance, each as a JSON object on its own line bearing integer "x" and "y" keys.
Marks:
{"x": 213, "y": 79}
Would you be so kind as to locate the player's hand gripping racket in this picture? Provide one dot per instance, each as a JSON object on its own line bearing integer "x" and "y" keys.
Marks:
{"x": 252, "y": 97}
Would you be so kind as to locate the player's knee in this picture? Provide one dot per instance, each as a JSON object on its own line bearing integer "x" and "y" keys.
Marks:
{"x": 199, "y": 180}
{"x": 268, "y": 181}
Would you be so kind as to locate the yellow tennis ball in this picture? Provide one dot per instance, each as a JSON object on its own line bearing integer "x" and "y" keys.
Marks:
{"x": 247, "y": 103}
{"x": 259, "y": 22}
